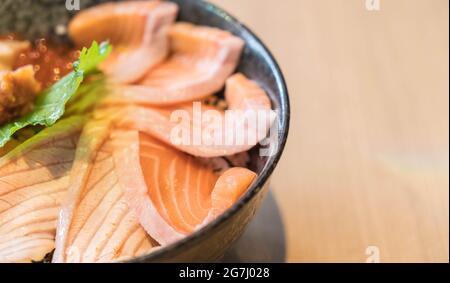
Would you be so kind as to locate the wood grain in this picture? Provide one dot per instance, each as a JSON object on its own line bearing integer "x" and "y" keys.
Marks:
{"x": 368, "y": 154}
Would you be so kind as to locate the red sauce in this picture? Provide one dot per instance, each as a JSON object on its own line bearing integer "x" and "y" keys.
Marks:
{"x": 50, "y": 61}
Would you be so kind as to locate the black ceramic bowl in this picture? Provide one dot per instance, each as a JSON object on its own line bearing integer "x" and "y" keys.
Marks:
{"x": 37, "y": 18}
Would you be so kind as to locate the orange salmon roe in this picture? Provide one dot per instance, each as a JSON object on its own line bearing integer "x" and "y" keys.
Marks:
{"x": 50, "y": 61}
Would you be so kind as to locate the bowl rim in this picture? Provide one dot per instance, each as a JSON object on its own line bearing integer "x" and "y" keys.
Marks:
{"x": 270, "y": 164}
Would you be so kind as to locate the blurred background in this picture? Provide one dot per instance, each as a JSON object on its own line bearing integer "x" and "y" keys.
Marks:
{"x": 366, "y": 168}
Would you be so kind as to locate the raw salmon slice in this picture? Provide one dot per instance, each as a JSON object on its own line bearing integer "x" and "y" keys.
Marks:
{"x": 177, "y": 193}
{"x": 33, "y": 181}
{"x": 204, "y": 131}
{"x": 202, "y": 59}
{"x": 95, "y": 223}
{"x": 136, "y": 29}
{"x": 230, "y": 186}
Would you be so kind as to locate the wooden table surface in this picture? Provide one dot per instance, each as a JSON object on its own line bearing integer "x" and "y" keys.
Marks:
{"x": 367, "y": 159}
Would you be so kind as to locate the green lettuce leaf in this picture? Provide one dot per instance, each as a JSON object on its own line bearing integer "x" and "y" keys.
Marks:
{"x": 50, "y": 104}
{"x": 87, "y": 96}
{"x": 61, "y": 127}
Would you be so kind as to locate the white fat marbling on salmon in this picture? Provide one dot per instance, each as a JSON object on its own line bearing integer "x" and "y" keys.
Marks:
{"x": 176, "y": 193}
{"x": 96, "y": 224}
{"x": 33, "y": 181}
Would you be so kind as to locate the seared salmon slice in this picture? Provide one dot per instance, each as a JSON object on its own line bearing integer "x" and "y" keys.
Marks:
{"x": 33, "y": 181}
{"x": 201, "y": 61}
{"x": 136, "y": 29}
{"x": 203, "y": 130}
{"x": 176, "y": 192}
{"x": 95, "y": 223}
